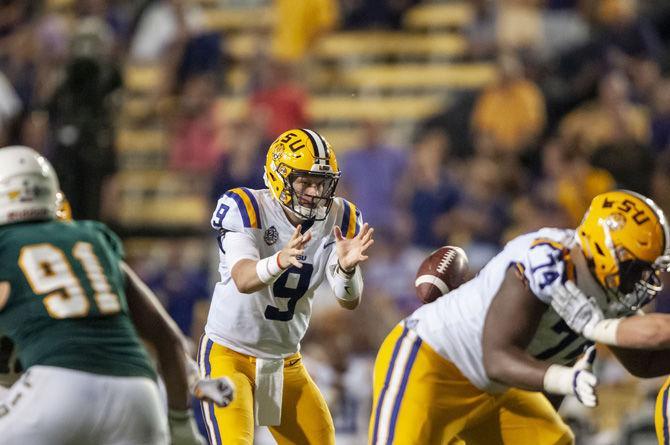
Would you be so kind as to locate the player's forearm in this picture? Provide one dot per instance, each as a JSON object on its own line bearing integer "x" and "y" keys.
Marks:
{"x": 347, "y": 286}
{"x": 650, "y": 332}
{"x": 515, "y": 368}
{"x": 251, "y": 275}
{"x": 245, "y": 277}
{"x": 173, "y": 370}
{"x": 155, "y": 325}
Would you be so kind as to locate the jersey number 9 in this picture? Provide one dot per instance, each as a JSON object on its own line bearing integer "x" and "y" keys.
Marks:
{"x": 291, "y": 285}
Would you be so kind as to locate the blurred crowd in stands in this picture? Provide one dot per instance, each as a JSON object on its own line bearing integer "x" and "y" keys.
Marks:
{"x": 581, "y": 105}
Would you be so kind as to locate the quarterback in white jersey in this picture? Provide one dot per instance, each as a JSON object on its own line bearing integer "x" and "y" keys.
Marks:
{"x": 277, "y": 245}
{"x": 470, "y": 366}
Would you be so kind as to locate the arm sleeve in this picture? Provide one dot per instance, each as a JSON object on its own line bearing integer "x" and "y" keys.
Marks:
{"x": 238, "y": 246}
{"x": 345, "y": 288}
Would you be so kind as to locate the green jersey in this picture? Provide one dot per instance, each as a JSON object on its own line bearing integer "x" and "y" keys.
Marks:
{"x": 62, "y": 298}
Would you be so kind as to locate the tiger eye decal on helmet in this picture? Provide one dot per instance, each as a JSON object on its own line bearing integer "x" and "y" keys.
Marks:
{"x": 624, "y": 237}
{"x": 304, "y": 154}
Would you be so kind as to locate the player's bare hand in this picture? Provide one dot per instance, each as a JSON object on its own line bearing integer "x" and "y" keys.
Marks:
{"x": 295, "y": 247}
{"x": 352, "y": 251}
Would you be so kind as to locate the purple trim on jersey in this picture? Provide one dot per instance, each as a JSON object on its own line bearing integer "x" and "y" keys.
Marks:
{"x": 389, "y": 371}
{"x": 358, "y": 226}
{"x": 403, "y": 386}
{"x": 240, "y": 205}
{"x": 254, "y": 203}
{"x": 666, "y": 433}
{"x": 345, "y": 218}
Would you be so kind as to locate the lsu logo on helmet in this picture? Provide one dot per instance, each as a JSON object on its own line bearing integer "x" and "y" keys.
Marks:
{"x": 302, "y": 153}
{"x": 625, "y": 239}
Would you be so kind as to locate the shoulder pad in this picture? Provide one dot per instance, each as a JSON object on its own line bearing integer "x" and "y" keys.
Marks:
{"x": 236, "y": 211}
{"x": 548, "y": 263}
{"x": 350, "y": 219}
{"x": 110, "y": 239}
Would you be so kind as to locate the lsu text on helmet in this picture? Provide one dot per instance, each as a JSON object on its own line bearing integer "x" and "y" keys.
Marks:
{"x": 302, "y": 155}
{"x": 625, "y": 237}
{"x": 28, "y": 186}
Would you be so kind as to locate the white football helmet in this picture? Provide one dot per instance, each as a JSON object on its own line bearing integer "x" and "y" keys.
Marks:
{"x": 28, "y": 186}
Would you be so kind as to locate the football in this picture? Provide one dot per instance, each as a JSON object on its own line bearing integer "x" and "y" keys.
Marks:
{"x": 442, "y": 271}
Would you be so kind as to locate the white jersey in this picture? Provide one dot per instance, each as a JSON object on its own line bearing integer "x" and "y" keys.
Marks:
{"x": 271, "y": 322}
{"x": 453, "y": 324}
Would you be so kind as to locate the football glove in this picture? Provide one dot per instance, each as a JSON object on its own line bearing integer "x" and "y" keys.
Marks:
{"x": 577, "y": 380}
{"x": 183, "y": 430}
{"x": 219, "y": 391}
{"x": 579, "y": 311}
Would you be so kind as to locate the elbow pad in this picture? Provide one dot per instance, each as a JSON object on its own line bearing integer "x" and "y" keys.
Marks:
{"x": 347, "y": 287}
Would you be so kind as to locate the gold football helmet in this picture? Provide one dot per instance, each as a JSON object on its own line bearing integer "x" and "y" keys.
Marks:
{"x": 302, "y": 173}
{"x": 625, "y": 237}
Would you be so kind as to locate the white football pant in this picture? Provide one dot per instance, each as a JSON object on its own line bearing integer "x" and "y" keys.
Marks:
{"x": 58, "y": 406}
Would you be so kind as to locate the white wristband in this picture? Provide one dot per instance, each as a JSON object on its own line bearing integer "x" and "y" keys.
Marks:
{"x": 558, "y": 380}
{"x": 268, "y": 269}
{"x": 603, "y": 332}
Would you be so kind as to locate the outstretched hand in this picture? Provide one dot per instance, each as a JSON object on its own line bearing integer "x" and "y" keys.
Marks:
{"x": 352, "y": 251}
{"x": 295, "y": 247}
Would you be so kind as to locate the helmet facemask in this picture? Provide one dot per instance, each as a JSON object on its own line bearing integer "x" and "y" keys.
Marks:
{"x": 636, "y": 282}
{"x": 310, "y": 206}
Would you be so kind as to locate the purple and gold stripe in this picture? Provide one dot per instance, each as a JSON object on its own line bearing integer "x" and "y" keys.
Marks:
{"x": 403, "y": 386}
{"x": 382, "y": 394}
{"x": 248, "y": 206}
{"x": 204, "y": 350}
{"x": 395, "y": 384}
{"x": 350, "y": 226}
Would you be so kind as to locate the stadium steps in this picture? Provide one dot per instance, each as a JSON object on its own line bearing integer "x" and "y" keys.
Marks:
{"x": 395, "y": 78}
{"x": 439, "y": 16}
{"x": 361, "y": 45}
{"x": 161, "y": 199}
{"x": 229, "y": 20}
{"x": 388, "y": 78}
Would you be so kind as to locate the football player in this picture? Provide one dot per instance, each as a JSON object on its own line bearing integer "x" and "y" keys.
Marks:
{"x": 471, "y": 365}
{"x": 62, "y": 302}
{"x": 276, "y": 246}
{"x": 639, "y": 341}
